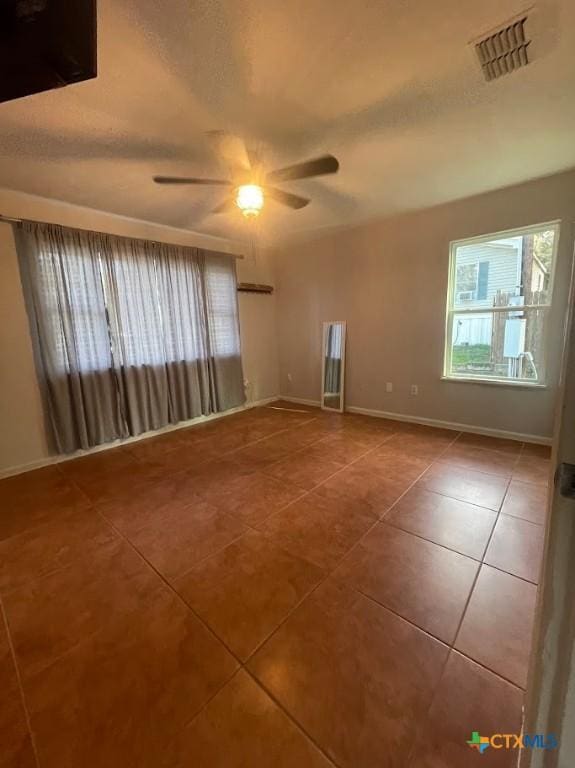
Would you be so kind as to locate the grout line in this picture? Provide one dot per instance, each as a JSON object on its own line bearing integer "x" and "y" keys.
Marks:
{"x": 170, "y": 586}
{"x": 208, "y": 701}
{"x": 420, "y": 536}
{"x": 27, "y": 718}
{"x": 474, "y": 469}
{"x": 306, "y": 491}
{"x": 489, "y": 540}
{"x": 396, "y": 613}
{"x": 290, "y": 717}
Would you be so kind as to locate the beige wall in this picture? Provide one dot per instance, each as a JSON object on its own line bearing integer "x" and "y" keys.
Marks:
{"x": 388, "y": 280}
{"x": 22, "y": 434}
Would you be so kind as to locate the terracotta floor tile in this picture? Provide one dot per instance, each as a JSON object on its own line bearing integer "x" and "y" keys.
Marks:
{"x": 455, "y": 524}
{"x": 151, "y": 447}
{"x": 342, "y": 448}
{"x": 517, "y": 547}
{"x": 527, "y": 501}
{"x": 132, "y": 509}
{"x": 97, "y": 465}
{"x": 101, "y": 476}
{"x": 318, "y": 529}
{"x": 37, "y": 497}
{"x": 247, "y": 589}
{"x": 512, "y": 447}
{"x": 496, "y": 628}
{"x": 227, "y": 442}
{"x": 286, "y": 417}
{"x": 367, "y": 484}
{"x": 367, "y": 438}
{"x": 431, "y": 433}
{"x": 215, "y": 433}
{"x": 389, "y": 460}
{"x": 422, "y": 443}
{"x": 532, "y": 469}
{"x": 211, "y": 476}
{"x": 534, "y": 449}
{"x": 243, "y": 728}
{"x": 474, "y": 487}
{"x": 183, "y": 537}
{"x": 254, "y": 497}
{"x": 480, "y": 459}
{"x": 469, "y": 698}
{"x": 356, "y": 677}
{"x": 307, "y": 434}
{"x": 119, "y": 671}
{"x": 53, "y": 614}
{"x": 121, "y": 698}
{"x": 16, "y": 749}
{"x": 426, "y": 584}
{"x": 262, "y": 453}
{"x": 289, "y": 441}
{"x": 186, "y": 457}
{"x": 46, "y": 548}
{"x": 304, "y": 469}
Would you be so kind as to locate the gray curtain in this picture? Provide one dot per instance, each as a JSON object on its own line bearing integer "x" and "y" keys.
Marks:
{"x": 129, "y": 335}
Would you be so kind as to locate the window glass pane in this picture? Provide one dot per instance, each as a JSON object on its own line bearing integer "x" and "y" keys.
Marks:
{"x": 222, "y": 306}
{"x": 74, "y": 310}
{"x": 501, "y": 345}
{"x": 491, "y": 272}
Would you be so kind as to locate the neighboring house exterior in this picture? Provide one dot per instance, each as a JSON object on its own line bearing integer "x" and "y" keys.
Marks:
{"x": 483, "y": 270}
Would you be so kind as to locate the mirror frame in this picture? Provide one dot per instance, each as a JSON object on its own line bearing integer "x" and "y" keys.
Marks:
{"x": 326, "y": 325}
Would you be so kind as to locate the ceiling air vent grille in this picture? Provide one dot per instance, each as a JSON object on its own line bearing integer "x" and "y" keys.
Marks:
{"x": 504, "y": 51}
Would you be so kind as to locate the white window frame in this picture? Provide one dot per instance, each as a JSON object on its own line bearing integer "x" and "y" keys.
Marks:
{"x": 451, "y": 309}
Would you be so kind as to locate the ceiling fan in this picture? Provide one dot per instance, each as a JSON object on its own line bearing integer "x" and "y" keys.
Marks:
{"x": 250, "y": 184}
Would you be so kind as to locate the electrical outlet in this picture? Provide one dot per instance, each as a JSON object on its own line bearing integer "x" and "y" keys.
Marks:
{"x": 414, "y": 389}
{"x": 389, "y": 386}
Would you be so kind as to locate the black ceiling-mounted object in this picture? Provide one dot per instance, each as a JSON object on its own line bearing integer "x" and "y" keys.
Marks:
{"x": 45, "y": 44}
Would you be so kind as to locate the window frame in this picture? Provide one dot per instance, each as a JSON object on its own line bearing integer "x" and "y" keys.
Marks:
{"x": 451, "y": 309}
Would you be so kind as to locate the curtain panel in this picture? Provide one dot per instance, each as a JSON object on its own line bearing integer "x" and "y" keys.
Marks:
{"x": 129, "y": 335}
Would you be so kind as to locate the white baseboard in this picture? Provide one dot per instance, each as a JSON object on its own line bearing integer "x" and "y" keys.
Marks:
{"x": 522, "y": 437}
{"x": 477, "y": 430}
{"x": 46, "y": 461}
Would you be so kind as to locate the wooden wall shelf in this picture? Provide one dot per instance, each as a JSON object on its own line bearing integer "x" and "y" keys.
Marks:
{"x": 255, "y": 288}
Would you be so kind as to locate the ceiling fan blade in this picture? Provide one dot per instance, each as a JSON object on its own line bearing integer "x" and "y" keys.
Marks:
{"x": 228, "y": 206}
{"x": 231, "y": 151}
{"x": 182, "y": 180}
{"x": 318, "y": 167}
{"x": 286, "y": 198}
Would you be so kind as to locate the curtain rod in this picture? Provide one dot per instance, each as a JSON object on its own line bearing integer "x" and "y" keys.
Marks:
{"x": 14, "y": 220}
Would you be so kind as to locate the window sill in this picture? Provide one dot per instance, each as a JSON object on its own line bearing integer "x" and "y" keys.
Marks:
{"x": 494, "y": 382}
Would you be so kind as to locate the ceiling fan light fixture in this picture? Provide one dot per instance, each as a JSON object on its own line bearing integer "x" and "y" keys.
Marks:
{"x": 250, "y": 200}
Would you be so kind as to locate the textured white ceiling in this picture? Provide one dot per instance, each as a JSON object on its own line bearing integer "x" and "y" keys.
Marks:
{"x": 392, "y": 88}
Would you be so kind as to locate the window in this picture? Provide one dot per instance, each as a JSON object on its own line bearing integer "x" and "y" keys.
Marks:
{"x": 499, "y": 297}
{"x": 135, "y": 310}
{"x": 130, "y": 335}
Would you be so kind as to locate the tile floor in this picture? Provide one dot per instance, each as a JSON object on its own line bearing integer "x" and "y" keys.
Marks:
{"x": 273, "y": 588}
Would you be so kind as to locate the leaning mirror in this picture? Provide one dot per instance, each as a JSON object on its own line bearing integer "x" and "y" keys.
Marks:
{"x": 333, "y": 365}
